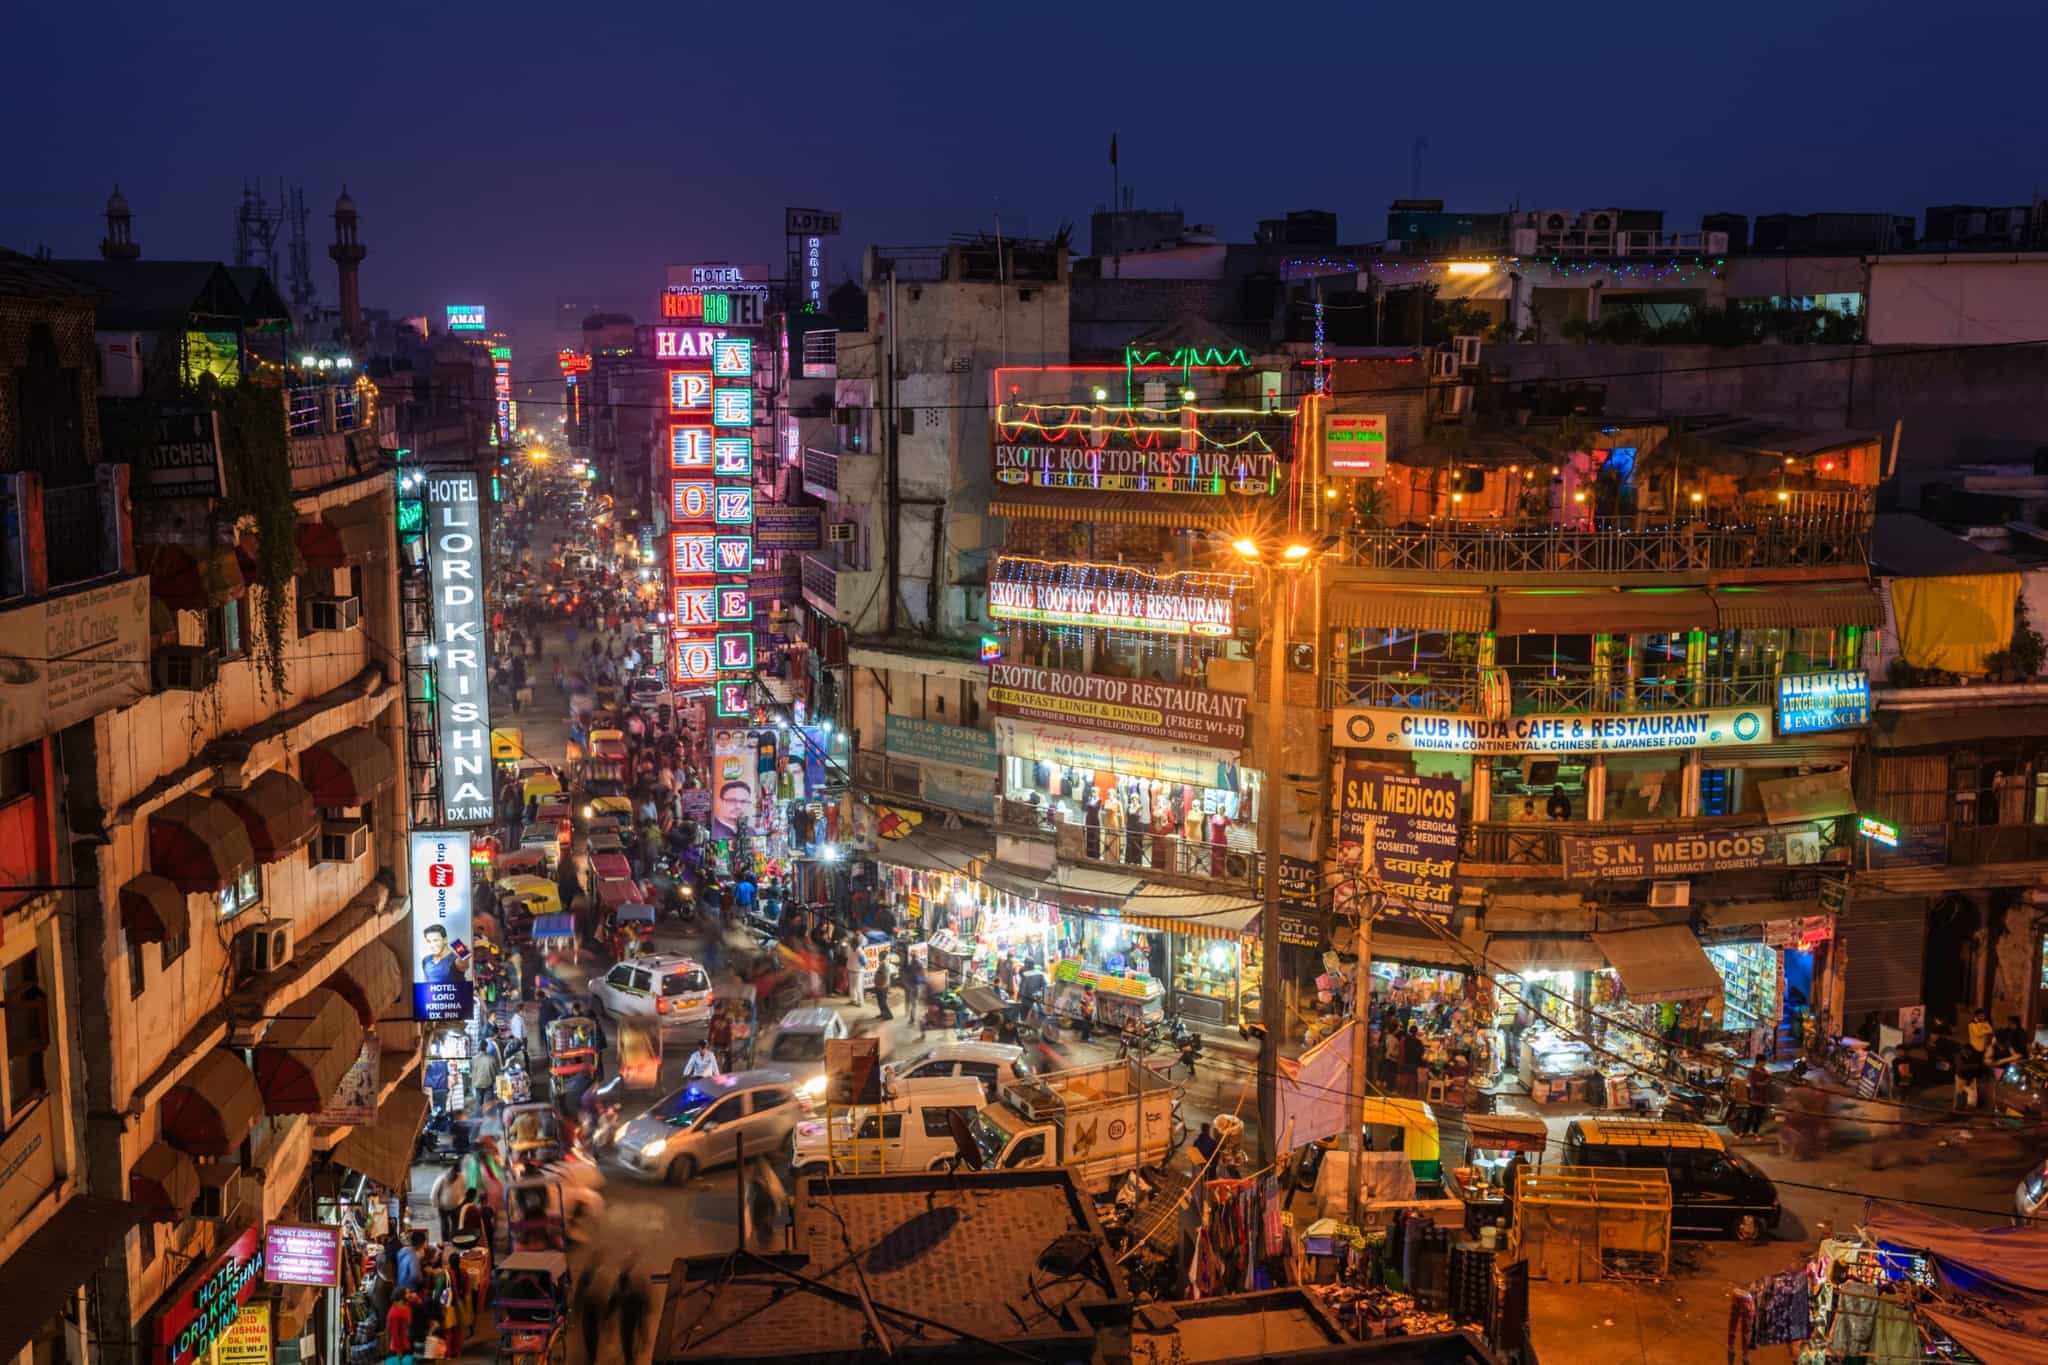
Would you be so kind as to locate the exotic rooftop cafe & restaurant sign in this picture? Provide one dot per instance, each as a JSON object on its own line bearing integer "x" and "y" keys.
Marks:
{"x": 1112, "y": 597}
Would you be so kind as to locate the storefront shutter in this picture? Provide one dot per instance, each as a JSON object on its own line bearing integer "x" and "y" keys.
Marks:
{"x": 1884, "y": 943}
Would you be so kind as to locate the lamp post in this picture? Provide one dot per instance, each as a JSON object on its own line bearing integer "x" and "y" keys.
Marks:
{"x": 1272, "y": 1005}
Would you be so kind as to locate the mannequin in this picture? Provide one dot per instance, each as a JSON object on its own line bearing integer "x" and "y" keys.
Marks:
{"x": 1162, "y": 825}
{"x": 1091, "y": 821}
{"x": 1113, "y": 826}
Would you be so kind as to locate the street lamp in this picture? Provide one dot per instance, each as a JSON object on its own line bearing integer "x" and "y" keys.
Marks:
{"x": 1293, "y": 555}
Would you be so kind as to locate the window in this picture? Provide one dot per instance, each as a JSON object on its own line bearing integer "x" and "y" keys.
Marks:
{"x": 767, "y": 1100}
{"x": 246, "y": 891}
{"x": 620, "y": 976}
{"x": 985, "y": 1072}
{"x": 137, "y": 972}
{"x": 891, "y": 1128}
{"x": 224, "y": 629}
{"x": 18, "y": 772}
{"x": 725, "y": 1111}
{"x": 935, "y": 1124}
{"x": 172, "y": 948}
{"x": 147, "y": 1242}
{"x": 27, "y": 1024}
{"x": 1029, "y": 1148}
{"x": 683, "y": 983}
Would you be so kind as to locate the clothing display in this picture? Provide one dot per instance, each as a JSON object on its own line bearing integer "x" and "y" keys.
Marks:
{"x": 1782, "y": 1309}
{"x": 1143, "y": 822}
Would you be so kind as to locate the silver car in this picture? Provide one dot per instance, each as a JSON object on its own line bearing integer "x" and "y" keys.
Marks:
{"x": 708, "y": 1122}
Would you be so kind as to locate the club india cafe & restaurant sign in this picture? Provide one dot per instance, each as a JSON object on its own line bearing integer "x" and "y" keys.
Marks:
{"x": 1434, "y": 732}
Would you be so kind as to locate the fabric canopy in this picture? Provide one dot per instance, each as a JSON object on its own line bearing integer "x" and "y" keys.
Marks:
{"x": 2001, "y": 1262}
{"x": 152, "y": 909}
{"x": 277, "y": 812}
{"x": 927, "y": 849}
{"x": 58, "y": 1257}
{"x": 1575, "y": 611}
{"x": 383, "y": 1150}
{"x": 165, "y": 1181}
{"x": 2024, "y": 1343}
{"x": 1766, "y": 608}
{"x": 210, "y": 1110}
{"x": 1953, "y": 623}
{"x": 372, "y": 982}
{"x": 347, "y": 769}
{"x": 1412, "y": 608}
{"x": 320, "y": 546}
{"x": 1664, "y": 962}
{"x": 192, "y": 579}
{"x": 308, "y": 1049}
{"x": 1195, "y": 913}
{"x": 198, "y": 844}
{"x": 1547, "y": 952}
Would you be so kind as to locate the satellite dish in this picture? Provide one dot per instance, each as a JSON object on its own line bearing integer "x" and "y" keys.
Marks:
{"x": 964, "y": 1145}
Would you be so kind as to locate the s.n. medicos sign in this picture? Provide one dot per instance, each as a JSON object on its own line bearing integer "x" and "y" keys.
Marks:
{"x": 462, "y": 701}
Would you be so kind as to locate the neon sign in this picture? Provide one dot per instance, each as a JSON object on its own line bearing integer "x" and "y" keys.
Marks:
{"x": 696, "y": 662}
{"x": 694, "y": 499}
{"x": 735, "y": 604}
{"x": 573, "y": 362}
{"x": 732, "y": 698}
{"x": 736, "y": 651}
{"x": 187, "y": 1330}
{"x": 735, "y": 505}
{"x": 735, "y": 554}
{"x": 689, "y": 392}
{"x": 732, "y": 358}
{"x": 465, "y": 317}
{"x": 690, "y": 448}
{"x": 1877, "y": 831}
{"x": 684, "y": 343}
{"x": 693, "y": 607}
{"x": 691, "y": 553}
{"x": 732, "y": 455}
{"x": 732, "y": 407}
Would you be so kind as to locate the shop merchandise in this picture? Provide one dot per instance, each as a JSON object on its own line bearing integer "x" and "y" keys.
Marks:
{"x": 1143, "y": 822}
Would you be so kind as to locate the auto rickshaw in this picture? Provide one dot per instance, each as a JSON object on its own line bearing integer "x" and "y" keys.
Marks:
{"x": 545, "y": 896}
{"x": 609, "y": 807}
{"x": 605, "y": 765}
{"x": 609, "y": 866}
{"x": 632, "y": 926}
{"x": 540, "y": 787}
{"x": 572, "y": 1055}
{"x": 1416, "y": 1122}
{"x": 533, "y": 1135}
{"x": 556, "y": 814}
{"x": 528, "y": 860}
{"x": 508, "y": 744}
{"x": 530, "y": 1302}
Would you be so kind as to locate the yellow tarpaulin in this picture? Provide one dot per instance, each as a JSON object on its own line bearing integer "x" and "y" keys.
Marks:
{"x": 1953, "y": 623}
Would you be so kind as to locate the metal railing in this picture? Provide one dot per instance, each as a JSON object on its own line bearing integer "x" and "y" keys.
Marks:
{"x": 1615, "y": 545}
{"x": 305, "y": 411}
{"x": 821, "y": 354}
{"x": 74, "y": 533}
{"x": 1140, "y": 851}
{"x": 1537, "y": 690}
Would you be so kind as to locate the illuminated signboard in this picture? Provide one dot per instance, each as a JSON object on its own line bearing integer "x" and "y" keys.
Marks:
{"x": 573, "y": 362}
{"x": 455, "y": 575}
{"x": 1245, "y": 469}
{"x": 732, "y": 358}
{"x": 717, "y": 308}
{"x": 689, "y": 393}
{"x": 734, "y": 604}
{"x": 733, "y": 698}
{"x": 735, "y": 554}
{"x": 693, "y": 499}
{"x": 693, "y": 608}
{"x": 1810, "y": 703}
{"x": 684, "y": 343}
{"x": 465, "y": 317}
{"x": 1157, "y": 610}
{"x": 1355, "y": 444}
{"x": 696, "y": 663}
{"x": 735, "y": 505}
{"x": 442, "y": 925}
{"x": 208, "y": 1303}
{"x": 736, "y": 650}
{"x": 1878, "y": 831}
{"x": 732, "y": 456}
{"x": 690, "y": 553}
{"x": 691, "y": 448}
{"x": 732, "y": 407}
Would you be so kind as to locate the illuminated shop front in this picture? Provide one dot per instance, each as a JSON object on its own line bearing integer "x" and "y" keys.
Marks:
{"x": 1125, "y": 964}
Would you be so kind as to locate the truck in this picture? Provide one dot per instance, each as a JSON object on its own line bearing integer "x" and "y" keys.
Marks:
{"x": 1091, "y": 1119}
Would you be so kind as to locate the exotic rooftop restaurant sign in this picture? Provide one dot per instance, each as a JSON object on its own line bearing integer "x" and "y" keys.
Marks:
{"x": 1119, "y": 706}
{"x": 1158, "y": 611}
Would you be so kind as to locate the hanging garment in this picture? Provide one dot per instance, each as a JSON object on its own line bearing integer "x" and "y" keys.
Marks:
{"x": 1134, "y": 822}
{"x": 1855, "y": 1320}
{"x": 1112, "y": 826}
{"x": 1162, "y": 827}
{"x": 1895, "y": 1336}
{"x": 1219, "y": 840}
{"x": 1092, "y": 823}
{"x": 1741, "y": 1327}
{"x": 1781, "y": 1309}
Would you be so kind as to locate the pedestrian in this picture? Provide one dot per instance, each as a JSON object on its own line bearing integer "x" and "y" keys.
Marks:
{"x": 408, "y": 1277}
{"x": 1411, "y": 1061}
{"x": 718, "y": 1036}
{"x": 449, "y": 1190}
{"x": 589, "y": 1312}
{"x": 1759, "y": 1097}
{"x": 1559, "y": 807}
{"x": 628, "y": 1307}
{"x": 469, "y": 1216}
{"x": 882, "y": 987}
{"x": 1980, "y": 1031}
{"x": 1205, "y": 1143}
{"x": 398, "y": 1331}
{"x": 1084, "y": 1014}
{"x": 1969, "y": 1071}
{"x": 703, "y": 1062}
{"x": 913, "y": 994}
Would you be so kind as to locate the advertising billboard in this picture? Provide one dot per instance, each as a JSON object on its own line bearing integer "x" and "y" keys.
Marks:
{"x": 461, "y": 673}
{"x": 302, "y": 1253}
{"x": 1718, "y": 727}
{"x": 734, "y": 779}
{"x": 1405, "y": 830}
{"x": 465, "y": 317}
{"x": 441, "y": 924}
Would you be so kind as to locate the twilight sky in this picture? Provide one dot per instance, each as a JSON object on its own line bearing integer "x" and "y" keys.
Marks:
{"x": 521, "y": 154}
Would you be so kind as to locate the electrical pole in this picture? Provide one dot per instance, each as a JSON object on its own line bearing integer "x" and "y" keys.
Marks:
{"x": 1361, "y": 1018}
{"x": 1272, "y": 1007}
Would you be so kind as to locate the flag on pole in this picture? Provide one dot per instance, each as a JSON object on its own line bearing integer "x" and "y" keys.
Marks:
{"x": 1112, "y": 149}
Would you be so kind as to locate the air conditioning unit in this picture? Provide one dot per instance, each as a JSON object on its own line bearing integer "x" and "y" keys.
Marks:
{"x": 120, "y": 365}
{"x": 343, "y": 841}
{"x": 222, "y": 1191}
{"x": 1237, "y": 866}
{"x": 1443, "y": 365}
{"x": 1670, "y": 895}
{"x": 333, "y": 613}
{"x": 1458, "y": 401}
{"x": 1600, "y": 222}
{"x": 262, "y": 948}
{"x": 1467, "y": 350}
{"x": 840, "y": 533}
{"x": 184, "y": 668}
{"x": 1553, "y": 222}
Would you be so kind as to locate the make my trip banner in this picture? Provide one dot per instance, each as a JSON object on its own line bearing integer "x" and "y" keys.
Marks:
{"x": 1624, "y": 856}
{"x": 1193, "y": 716}
{"x": 1412, "y": 826}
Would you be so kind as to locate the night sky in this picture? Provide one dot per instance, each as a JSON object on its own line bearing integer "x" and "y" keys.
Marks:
{"x": 520, "y": 155}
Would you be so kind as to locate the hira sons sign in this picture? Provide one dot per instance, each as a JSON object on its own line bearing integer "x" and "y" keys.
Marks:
{"x": 1431, "y": 732}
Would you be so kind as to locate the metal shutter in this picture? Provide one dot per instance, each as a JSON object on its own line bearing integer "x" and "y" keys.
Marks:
{"x": 1885, "y": 942}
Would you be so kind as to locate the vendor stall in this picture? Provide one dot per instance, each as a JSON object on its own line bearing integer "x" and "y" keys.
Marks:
{"x": 1118, "y": 998}
{"x": 1122, "y": 962}
{"x": 1492, "y": 1142}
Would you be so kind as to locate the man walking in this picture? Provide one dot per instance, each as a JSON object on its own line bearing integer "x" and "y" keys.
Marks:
{"x": 882, "y": 987}
{"x": 629, "y": 1307}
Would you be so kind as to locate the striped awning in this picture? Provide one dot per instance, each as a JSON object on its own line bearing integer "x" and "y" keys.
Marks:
{"x": 1197, "y": 914}
{"x": 1587, "y": 611}
{"x": 1412, "y": 608}
{"x": 1853, "y": 604}
{"x": 1175, "y": 511}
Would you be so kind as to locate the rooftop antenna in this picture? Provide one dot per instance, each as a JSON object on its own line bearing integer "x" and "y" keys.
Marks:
{"x": 302, "y": 290}
{"x": 256, "y": 225}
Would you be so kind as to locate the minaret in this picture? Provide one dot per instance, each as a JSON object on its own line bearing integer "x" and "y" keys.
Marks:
{"x": 347, "y": 254}
{"x": 117, "y": 245}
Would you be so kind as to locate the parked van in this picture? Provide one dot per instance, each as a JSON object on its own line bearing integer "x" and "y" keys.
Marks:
{"x": 911, "y": 1131}
{"x": 990, "y": 1063}
{"x": 1712, "y": 1189}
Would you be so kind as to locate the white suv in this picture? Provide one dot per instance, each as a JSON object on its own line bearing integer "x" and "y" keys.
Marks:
{"x": 667, "y": 989}
{"x": 990, "y": 1063}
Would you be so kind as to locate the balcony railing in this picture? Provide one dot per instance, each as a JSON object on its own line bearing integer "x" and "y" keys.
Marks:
{"x": 75, "y": 533}
{"x": 1459, "y": 689}
{"x": 1535, "y": 845}
{"x": 1617, "y": 545}
{"x": 821, "y": 354}
{"x": 1139, "y": 852}
{"x": 1977, "y": 844}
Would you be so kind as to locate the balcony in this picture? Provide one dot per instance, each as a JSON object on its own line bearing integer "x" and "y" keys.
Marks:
{"x": 1461, "y": 689}
{"x": 1972, "y": 845}
{"x": 843, "y": 594}
{"x": 1484, "y": 551}
{"x": 1154, "y": 856}
{"x": 820, "y": 354}
{"x": 1527, "y": 849}
{"x": 329, "y": 435}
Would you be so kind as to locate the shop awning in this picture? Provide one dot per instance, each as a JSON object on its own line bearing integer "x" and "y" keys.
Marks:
{"x": 198, "y": 844}
{"x": 58, "y": 1257}
{"x": 1416, "y": 608}
{"x": 1198, "y": 914}
{"x": 928, "y": 849}
{"x": 152, "y": 909}
{"x": 1083, "y": 889}
{"x": 1661, "y": 963}
{"x": 347, "y": 769}
{"x": 1588, "y": 611}
{"x": 1126, "y": 755}
{"x": 1505, "y": 1133}
{"x": 1953, "y": 725}
{"x": 189, "y": 578}
{"x": 1174, "y": 511}
{"x": 372, "y": 982}
{"x": 1852, "y": 604}
{"x": 1814, "y": 796}
{"x": 277, "y": 812}
{"x": 383, "y": 1150}
{"x": 320, "y": 546}
{"x": 165, "y": 1181}
{"x": 210, "y": 1110}
{"x": 1543, "y": 953}
{"x": 307, "y": 1050}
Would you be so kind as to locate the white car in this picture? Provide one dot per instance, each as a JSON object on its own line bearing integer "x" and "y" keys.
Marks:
{"x": 707, "y": 1122}
{"x": 665, "y": 989}
{"x": 648, "y": 692}
{"x": 796, "y": 1044}
{"x": 990, "y": 1063}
